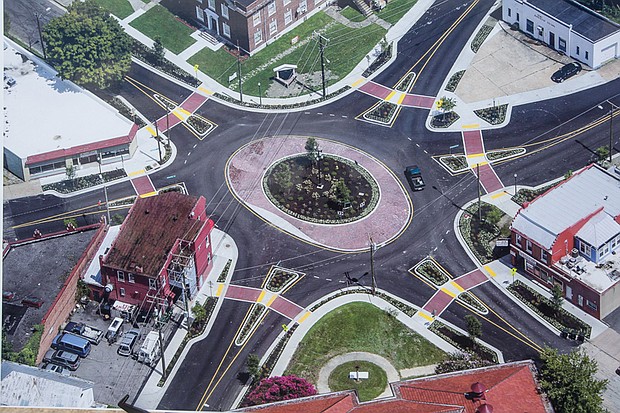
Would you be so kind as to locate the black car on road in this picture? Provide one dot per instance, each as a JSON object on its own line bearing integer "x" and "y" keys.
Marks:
{"x": 566, "y": 72}
{"x": 414, "y": 177}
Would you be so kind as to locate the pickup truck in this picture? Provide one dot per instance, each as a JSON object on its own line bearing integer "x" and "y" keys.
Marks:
{"x": 414, "y": 176}
{"x": 91, "y": 334}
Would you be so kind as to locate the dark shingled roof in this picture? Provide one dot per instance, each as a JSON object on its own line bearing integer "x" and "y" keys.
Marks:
{"x": 150, "y": 230}
{"x": 585, "y": 22}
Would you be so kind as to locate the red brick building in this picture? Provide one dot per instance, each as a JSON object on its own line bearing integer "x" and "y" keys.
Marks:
{"x": 510, "y": 387}
{"x": 163, "y": 243}
{"x": 570, "y": 236}
{"x": 250, "y": 23}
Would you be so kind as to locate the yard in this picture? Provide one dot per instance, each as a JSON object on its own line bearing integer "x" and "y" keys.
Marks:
{"x": 119, "y": 8}
{"x": 361, "y": 327}
{"x": 159, "y": 22}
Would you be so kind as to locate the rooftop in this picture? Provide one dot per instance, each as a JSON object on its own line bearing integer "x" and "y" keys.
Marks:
{"x": 586, "y": 22}
{"x": 509, "y": 387}
{"x": 92, "y": 276}
{"x": 587, "y": 192}
{"x": 45, "y": 113}
{"x": 29, "y": 386}
{"x": 37, "y": 269}
{"x": 150, "y": 230}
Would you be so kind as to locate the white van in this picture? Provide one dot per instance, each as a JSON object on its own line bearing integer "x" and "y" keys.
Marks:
{"x": 150, "y": 351}
{"x": 114, "y": 330}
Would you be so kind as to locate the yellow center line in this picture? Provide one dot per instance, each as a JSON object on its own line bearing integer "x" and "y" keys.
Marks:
{"x": 177, "y": 114}
{"x": 220, "y": 288}
{"x": 450, "y": 293}
{"x": 479, "y": 164}
{"x": 151, "y": 130}
{"x": 184, "y": 111}
{"x": 458, "y": 287}
{"x": 490, "y": 271}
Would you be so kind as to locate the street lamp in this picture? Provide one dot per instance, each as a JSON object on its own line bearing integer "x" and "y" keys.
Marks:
{"x": 38, "y": 17}
{"x": 611, "y": 126}
{"x": 515, "y": 184}
{"x": 260, "y": 95}
{"x": 318, "y": 162}
{"x": 105, "y": 188}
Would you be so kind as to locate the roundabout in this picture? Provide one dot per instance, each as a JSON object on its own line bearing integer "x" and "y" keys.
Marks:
{"x": 338, "y": 203}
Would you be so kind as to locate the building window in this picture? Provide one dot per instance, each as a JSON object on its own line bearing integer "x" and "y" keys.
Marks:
{"x": 517, "y": 16}
{"x": 585, "y": 249}
{"x": 615, "y": 242}
{"x": 121, "y": 276}
{"x": 562, "y": 44}
{"x": 130, "y": 278}
{"x": 224, "y": 11}
{"x": 541, "y": 31}
{"x": 592, "y": 305}
{"x": 509, "y": 12}
{"x": 529, "y": 25}
{"x": 604, "y": 250}
{"x": 303, "y": 6}
{"x": 587, "y": 55}
{"x": 258, "y": 36}
{"x": 543, "y": 255}
{"x": 580, "y": 300}
{"x": 545, "y": 276}
{"x": 288, "y": 17}
{"x": 273, "y": 28}
{"x": 121, "y": 292}
{"x": 226, "y": 29}
{"x": 528, "y": 246}
{"x": 271, "y": 8}
{"x": 211, "y": 4}
{"x": 256, "y": 18}
{"x": 200, "y": 14}
{"x": 152, "y": 283}
{"x": 577, "y": 52}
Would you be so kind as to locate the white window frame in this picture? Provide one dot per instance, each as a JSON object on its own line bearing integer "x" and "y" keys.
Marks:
{"x": 224, "y": 11}
{"x": 273, "y": 28}
{"x": 200, "y": 14}
{"x": 120, "y": 276}
{"x": 256, "y": 18}
{"x": 121, "y": 292}
{"x": 131, "y": 278}
{"x": 152, "y": 284}
{"x": 585, "y": 249}
{"x": 580, "y": 300}
{"x": 543, "y": 255}
{"x": 303, "y": 6}
{"x": 211, "y": 4}
{"x": 528, "y": 246}
{"x": 518, "y": 239}
{"x": 591, "y": 305}
{"x": 226, "y": 29}
{"x": 288, "y": 17}
{"x": 271, "y": 8}
{"x": 258, "y": 36}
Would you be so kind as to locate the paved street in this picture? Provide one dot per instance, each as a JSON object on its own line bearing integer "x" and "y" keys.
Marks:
{"x": 211, "y": 375}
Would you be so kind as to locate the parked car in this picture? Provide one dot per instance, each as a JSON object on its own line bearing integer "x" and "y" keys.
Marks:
{"x": 125, "y": 348}
{"x": 114, "y": 330}
{"x": 71, "y": 343}
{"x": 62, "y": 358}
{"x": 55, "y": 368}
{"x": 89, "y": 333}
{"x": 566, "y": 72}
{"x": 32, "y": 301}
{"x": 414, "y": 177}
{"x": 150, "y": 351}
{"x": 8, "y": 296}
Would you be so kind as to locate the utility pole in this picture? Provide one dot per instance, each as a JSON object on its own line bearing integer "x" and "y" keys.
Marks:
{"x": 239, "y": 71}
{"x": 157, "y": 139}
{"x": 611, "y": 130}
{"x": 168, "y": 124}
{"x": 161, "y": 349}
{"x": 372, "y": 266}
{"x": 185, "y": 300}
{"x": 105, "y": 189}
{"x": 479, "y": 210}
{"x": 38, "y": 17}
{"x": 322, "y": 50}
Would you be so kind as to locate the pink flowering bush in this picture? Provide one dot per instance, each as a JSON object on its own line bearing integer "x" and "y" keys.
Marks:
{"x": 274, "y": 389}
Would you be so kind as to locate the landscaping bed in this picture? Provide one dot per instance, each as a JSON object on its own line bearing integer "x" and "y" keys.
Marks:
{"x": 499, "y": 154}
{"x": 463, "y": 342}
{"x": 383, "y": 112}
{"x": 528, "y": 195}
{"x": 432, "y": 272}
{"x": 250, "y": 323}
{"x": 82, "y": 182}
{"x": 474, "y": 303}
{"x": 493, "y": 115}
{"x": 367, "y": 389}
{"x": 361, "y": 327}
{"x": 481, "y": 36}
{"x": 145, "y": 54}
{"x": 200, "y": 125}
{"x": 405, "y": 83}
{"x": 444, "y": 120}
{"x": 454, "y": 163}
{"x": 379, "y": 61}
{"x": 481, "y": 236}
{"x": 402, "y": 306}
{"x": 222, "y": 277}
{"x": 562, "y": 320}
{"x": 279, "y": 279}
{"x": 348, "y": 192}
{"x": 454, "y": 80}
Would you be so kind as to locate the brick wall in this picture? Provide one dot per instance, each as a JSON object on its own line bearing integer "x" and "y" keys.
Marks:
{"x": 64, "y": 302}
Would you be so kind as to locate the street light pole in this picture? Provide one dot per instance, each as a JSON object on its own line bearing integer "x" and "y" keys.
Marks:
{"x": 260, "y": 95}
{"x": 38, "y": 17}
{"x": 611, "y": 129}
{"x": 105, "y": 189}
{"x": 515, "y": 184}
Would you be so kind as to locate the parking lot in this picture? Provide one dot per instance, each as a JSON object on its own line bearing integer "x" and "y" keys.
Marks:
{"x": 114, "y": 375}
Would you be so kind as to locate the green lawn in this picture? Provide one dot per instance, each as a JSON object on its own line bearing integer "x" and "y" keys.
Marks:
{"x": 366, "y": 389}
{"x": 344, "y": 51}
{"x": 361, "y": 327}
{"x": 352, "y": 14}
{"x": 396, "y": 9}
{"x": 119, "y": 8}
{"x": 158, "y": 21}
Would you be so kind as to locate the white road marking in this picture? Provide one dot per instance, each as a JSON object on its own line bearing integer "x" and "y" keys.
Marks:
{"x": 345, "y": 116}
{"x": 328, "y": 279}
{"x": 316, "y": 276}
{"x": 319, "y": 113}
{"x": 194, "y": 147}
{"x": 435, "y": 249}
{"x": 417, "y": 144}
{"x": 441, "y": 241}
{"x": 189, "y": 153}
{"x": 425, "y": 151}
{"x": 447, "y": 232}
{"x": 409, "y": 138}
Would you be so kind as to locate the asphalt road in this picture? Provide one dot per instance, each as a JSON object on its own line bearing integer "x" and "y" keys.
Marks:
{"x": 27, "y": 16}
{"x": 212, "y": 368}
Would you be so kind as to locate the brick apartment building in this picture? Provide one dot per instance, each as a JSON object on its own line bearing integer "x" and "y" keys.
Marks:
{"x": 570, "y": 236}
{"x": 164, "y": 242}
{"x": 250, "y": 23}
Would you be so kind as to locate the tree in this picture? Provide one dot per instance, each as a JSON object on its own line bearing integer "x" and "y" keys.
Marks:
{"x": 253, "y": 363}
{"x": 70, "y": 171}
{"x": 278, "y": 388}
{"x": 200, "y": 313}
{"x": 340, "y": 192}
{"x": 557, "y": 297}
{"x": 312, "y": 149}
{"x": 446, "y": 104}
{"x": 158, "y": 50}
{"x": 88, "y": 46}
{"x": 461, "y": 361}
{"x": 283, "y": 176}
{"x": 568, "y": 380}
{"x": 602, "y": 152}
{"x": 474, "y": 326}
{"x": 494, "y": 215}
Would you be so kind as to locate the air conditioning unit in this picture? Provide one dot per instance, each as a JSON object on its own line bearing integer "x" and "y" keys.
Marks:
{"x": 574, "y": 253}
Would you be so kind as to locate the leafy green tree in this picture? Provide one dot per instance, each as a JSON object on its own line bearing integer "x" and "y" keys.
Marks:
{"x": 474, "y": 326}
{"x": 283, "y": 176}
{"x": 200, "y": 313}
{"x": 602, "y": 152}
{"x": 87, "y": 46}
{"x": 557, "y": 297}
{"x": 71, "y": 171}
{"x": 341, "y": 193}
{"x": 446, "y": 104}
{"x": 568, "y": 174}
{"x": 253, "y": 364}
{"x": 158, "y": 50}
{"x": 312, "y": 149}
{"x": 494, "y": 215}
{"x": 568, "y": 380}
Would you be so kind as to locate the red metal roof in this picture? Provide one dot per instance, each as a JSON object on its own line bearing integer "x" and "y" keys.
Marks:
{"x": 150, "y": 230}
{"x": 87, "y": 147}
{"x": 510, "y": 387}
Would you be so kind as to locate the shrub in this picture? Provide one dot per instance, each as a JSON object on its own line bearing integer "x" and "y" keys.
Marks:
{"x": 279, "y": 388}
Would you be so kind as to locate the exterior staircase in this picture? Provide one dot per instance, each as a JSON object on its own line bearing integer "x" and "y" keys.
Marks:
{"x": 363, "y": 7}
{"x": 208, "y": 37}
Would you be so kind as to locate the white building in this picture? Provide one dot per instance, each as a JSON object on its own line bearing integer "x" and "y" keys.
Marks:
{"x": 568, "y": 27}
